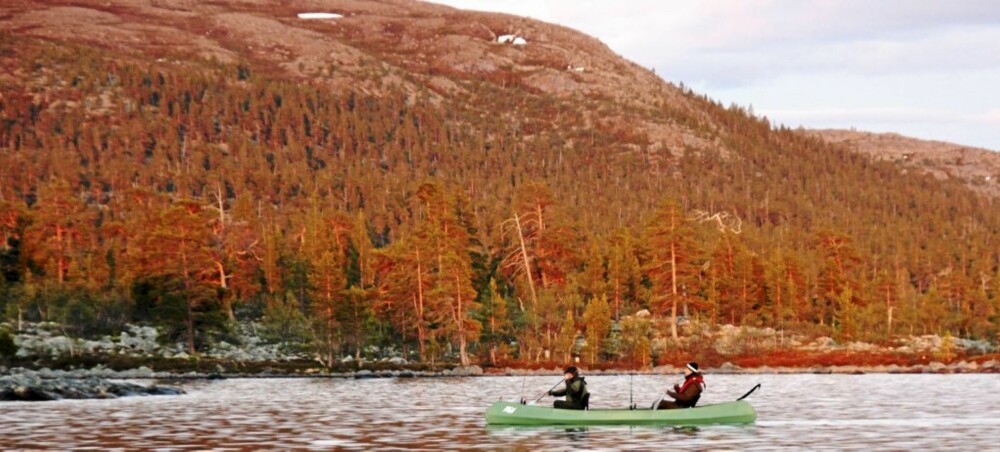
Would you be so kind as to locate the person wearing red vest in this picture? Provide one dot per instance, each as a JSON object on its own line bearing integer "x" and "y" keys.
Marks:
{"x": 687, "y": 394}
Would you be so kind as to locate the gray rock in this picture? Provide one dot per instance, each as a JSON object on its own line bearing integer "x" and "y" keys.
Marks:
{"x": 668, "y": 369}
{"x": 728, "y": 367}
{"x": 397, "y": 361}
{"x": 29, "y": 387}
{"x": 467, "y": 371}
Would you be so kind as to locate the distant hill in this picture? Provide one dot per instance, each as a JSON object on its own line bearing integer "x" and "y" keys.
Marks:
{"x": 978, "y": 168}
{"x": 407, "y": 174}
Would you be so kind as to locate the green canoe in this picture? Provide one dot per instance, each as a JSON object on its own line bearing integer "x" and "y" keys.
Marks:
{"x": 513, "y": 413}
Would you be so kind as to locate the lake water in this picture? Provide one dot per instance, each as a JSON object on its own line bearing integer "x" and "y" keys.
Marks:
{"x": 802, "y": 411}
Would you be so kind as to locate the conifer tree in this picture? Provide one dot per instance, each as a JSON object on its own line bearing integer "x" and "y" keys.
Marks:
{"x": 672, "y": 251}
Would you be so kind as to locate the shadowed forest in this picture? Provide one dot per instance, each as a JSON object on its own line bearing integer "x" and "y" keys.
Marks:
{"x": 505, "y": 224}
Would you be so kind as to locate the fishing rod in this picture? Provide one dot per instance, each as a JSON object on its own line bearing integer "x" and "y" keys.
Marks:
{"x": 631, "y": 405}
{"x": 523, "y": 381}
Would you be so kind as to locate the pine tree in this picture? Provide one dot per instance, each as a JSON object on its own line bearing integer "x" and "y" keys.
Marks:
{"x": 567, "y": 337}
{"x": 672, "y": 251}
{"x": 597, "y": 318}
{"x": 496, "y": 322}
{"x": 175, "y": 249}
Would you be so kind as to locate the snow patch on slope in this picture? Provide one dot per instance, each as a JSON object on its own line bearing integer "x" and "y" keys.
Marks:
{"x": 320, "y": 16}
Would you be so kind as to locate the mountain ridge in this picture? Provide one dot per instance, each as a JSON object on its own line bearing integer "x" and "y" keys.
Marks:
{"x": 979, "y": 168}
{"x": 318, "y": 167}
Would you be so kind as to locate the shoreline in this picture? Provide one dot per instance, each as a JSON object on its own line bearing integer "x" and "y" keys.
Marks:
{"x": 145, "y": 373}
{"x": 28, "y": 385}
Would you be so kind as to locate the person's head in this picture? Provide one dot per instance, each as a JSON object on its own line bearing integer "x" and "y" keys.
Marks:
{"x": 690, "y": 368}
{"x": 570, "y": 372}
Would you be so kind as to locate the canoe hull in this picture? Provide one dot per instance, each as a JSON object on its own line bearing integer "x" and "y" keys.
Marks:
{"x": 512, "y": 413}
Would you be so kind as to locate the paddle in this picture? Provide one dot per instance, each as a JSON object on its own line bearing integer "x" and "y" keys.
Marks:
{"x": 656, "y": 404}
{"x": 749, "y": 392}
{"x": 550, "y": 390}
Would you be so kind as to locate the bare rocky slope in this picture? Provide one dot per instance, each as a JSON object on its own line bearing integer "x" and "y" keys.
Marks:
{"x": 978, "y": 168}
{"x": 375, "y": 45}
{"x": 426, "y": 47}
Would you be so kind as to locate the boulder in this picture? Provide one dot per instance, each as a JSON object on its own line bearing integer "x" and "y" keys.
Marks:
{"x": 467, "y": 371}
{"x": 142, "y": 372}
{"x": 726, "y": 368}
{"x": 667, "y": 369}
{"x": 28, "y": 386}
{"x": 26, "y": 394}
{"x": 823, "y": 343}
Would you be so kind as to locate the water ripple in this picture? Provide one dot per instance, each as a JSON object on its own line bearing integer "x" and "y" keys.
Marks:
{"x": 844, "y": 412}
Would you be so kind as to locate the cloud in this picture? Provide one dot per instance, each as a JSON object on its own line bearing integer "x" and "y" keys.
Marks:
{"x": 921, "y": 66}
{"x": 952, "y": 126}
{"x": 948, "y": 51}
{"x": 726, "y": 42}
{"x": 882, "y": 114}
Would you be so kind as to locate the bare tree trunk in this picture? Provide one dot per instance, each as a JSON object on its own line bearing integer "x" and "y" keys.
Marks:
{"x": 673, "y": 288}
{"x": 419, "y": 305}
{"x": 493, "y": 341}
{"x": 888, "y": 312}
{"x": 61, "y": 259}
{"x": 459, "y": 317}
{"x": 227, "y": 304}
{"x": 189, "y": 323}
{"x": 617, "y": 299}
{"x": 329, "y": 336}
{"x": 358, "y": 341}
{"x": 402, "y": 334}
{"x": 527, "y": 261}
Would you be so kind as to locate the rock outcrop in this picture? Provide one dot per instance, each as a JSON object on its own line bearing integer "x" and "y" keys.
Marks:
{"x": 30, "y": 386}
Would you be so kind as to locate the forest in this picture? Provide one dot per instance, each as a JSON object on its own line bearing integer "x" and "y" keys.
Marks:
{"x": 502, "y": 224}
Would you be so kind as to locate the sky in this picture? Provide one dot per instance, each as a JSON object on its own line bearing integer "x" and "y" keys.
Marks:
{"x": 924, "y": 68}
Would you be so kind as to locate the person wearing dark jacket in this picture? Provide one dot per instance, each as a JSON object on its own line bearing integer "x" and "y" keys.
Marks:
{"x": 575, "y": 391}
{"x": 687, "y": 394}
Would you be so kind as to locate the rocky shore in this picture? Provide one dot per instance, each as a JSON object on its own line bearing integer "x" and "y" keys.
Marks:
{"x": 19, "y": 384}
{"x": 48, "y": 365}
{"x": 30, "y": 386}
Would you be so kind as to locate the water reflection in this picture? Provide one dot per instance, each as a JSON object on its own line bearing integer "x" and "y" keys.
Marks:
{"x": 803, "y": 411}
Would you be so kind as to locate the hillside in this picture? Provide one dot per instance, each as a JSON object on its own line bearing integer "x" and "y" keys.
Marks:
{"x": 978, "y": 168}
{"x": 399, "y": 177}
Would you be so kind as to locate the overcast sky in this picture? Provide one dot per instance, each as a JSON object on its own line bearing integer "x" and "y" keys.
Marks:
{"x": 924, "y": 68}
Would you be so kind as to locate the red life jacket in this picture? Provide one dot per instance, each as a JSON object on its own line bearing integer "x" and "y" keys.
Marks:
{"x": 693, "y": 378}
